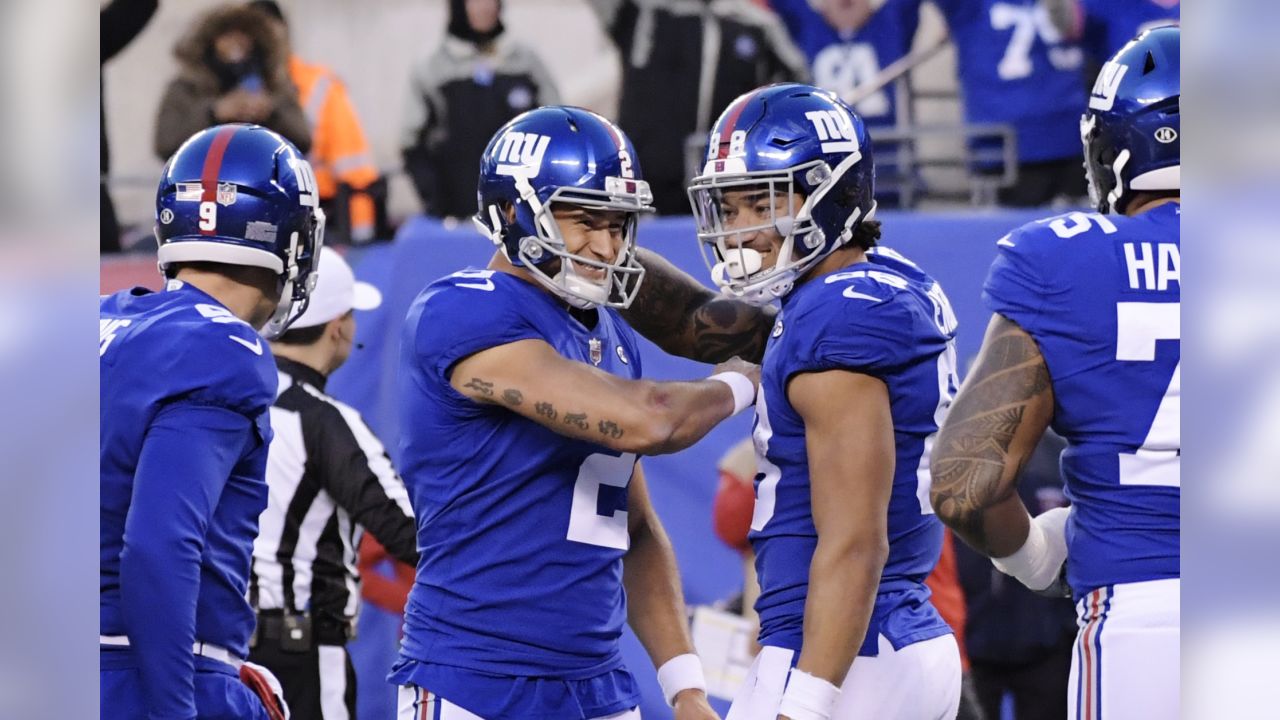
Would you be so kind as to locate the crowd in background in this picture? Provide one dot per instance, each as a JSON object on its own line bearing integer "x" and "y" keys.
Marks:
{"x": 1022, "y": 70}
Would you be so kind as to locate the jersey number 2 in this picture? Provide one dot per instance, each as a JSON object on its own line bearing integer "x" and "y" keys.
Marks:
{"x": 586, "y": 524}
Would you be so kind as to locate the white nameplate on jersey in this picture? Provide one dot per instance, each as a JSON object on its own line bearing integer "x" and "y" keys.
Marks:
{"x": 835, "y": 130}
{"x": 520, "y": 154}
{"x": 1153, "y": 268}
{"x": 1107, "y": 85}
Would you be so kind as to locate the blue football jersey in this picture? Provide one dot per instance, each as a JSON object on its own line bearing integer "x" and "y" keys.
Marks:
{"x": 842, "y": 63}
{"x": 161, "y": 351}
{"x": 521, "y": 530}
{"x": 888, "y": 319}
{"x": 1015, "y": 68}
{"x": 1100, "y": 295}
{"x": 1109, "y": 24}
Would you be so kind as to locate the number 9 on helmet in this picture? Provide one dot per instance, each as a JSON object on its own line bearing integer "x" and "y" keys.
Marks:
{"x": 240, "y": 194}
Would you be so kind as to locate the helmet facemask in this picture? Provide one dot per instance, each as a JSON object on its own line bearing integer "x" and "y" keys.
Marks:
{"x": 539, "y": 252}
{"x": 737, "y": 269}
{"x": 299, "y": 278}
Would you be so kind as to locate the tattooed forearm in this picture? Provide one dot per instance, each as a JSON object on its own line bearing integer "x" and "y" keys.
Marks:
{"x": 512, "y": 397}
{"x": 480, "y": 386}
{"x": 545, "y": 409}
{"x": 610, "y": 428}
{"x": 578, "y": 420}
{"x": 684, "y": 318}
{"x": 991, "y": 431}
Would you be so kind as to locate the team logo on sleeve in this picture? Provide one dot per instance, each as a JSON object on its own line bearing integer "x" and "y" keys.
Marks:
{"x": 520, "y": 154}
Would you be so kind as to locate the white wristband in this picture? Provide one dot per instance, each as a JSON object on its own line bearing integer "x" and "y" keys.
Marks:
{"x": 808, "y": 697}
{"x": 682, "y": 672}
{"x": 1037, "y": 563}
{"x": 744, "y": 391}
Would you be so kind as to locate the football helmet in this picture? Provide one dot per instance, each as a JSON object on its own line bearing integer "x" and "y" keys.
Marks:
{"x": 1131, "y": 129}
{"x": 567, "y": 155}
{"x": 785, "y": 138}
{"x": 241, "y": 194}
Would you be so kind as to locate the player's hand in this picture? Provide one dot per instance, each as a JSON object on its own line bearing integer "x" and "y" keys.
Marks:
{"x": 692, "y": 705}
{"x": 738, "y": 365}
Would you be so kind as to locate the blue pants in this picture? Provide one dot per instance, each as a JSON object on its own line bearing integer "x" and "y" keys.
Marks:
{"x": 219, "y": 693}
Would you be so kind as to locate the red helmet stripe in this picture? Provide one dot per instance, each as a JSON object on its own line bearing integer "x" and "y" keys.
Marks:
{"x": 726, "y": 132}
{"x": 213, "y": 166}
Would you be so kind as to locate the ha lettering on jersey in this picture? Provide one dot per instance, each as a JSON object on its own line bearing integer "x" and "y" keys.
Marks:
{"x": 1153, "y": 266}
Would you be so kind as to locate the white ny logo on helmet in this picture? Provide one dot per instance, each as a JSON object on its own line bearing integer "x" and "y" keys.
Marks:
{"x": 1107, "y": 85}
{"x": 835, "y": 130}
{"x": 520, "y": 154}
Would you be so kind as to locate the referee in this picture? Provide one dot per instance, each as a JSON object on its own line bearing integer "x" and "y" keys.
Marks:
{"x": 330, "y": 479}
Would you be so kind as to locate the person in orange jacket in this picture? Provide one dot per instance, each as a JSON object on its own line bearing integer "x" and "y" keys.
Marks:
{"x": 339, "y": 150}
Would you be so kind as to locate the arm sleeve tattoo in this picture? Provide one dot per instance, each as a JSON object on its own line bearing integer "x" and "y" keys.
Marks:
{"x": 991, "y": 431}
{"x": 684, "y": 318}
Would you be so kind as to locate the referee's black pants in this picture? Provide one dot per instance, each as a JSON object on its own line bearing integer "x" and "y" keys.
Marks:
{"x": 319, "y": 684}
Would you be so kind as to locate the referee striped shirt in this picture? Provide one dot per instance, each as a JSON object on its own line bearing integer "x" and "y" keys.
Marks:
{"x": 330, "y": 480}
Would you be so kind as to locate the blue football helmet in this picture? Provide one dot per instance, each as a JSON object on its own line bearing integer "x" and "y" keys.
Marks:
{"x": 1131, "y": 130}
{"x": 568, "y": 155}
{"x": 241, "y": 194}
{"x": 785, "y": 138}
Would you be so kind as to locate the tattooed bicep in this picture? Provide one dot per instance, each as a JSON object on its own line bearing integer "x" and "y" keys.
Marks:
{"x": 992, "y": 429}
{"x": 683, "y": 317}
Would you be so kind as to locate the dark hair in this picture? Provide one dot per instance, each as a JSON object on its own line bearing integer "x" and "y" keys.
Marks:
{"x": 461, "y": 29}
{"x": 866, "y": 234}
{"x": 271, "y": 8}
{"x": 302, "y": 336}
{"x": 244, "y": 274}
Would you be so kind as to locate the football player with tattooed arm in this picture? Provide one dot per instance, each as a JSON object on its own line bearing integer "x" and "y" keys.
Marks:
{"x": 524, "y": 417}
{"x": 857, "y": 370}
{"x": 1085, "y": 338}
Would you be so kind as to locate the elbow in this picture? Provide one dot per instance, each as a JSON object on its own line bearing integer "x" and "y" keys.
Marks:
{"x": 652, "y": 435}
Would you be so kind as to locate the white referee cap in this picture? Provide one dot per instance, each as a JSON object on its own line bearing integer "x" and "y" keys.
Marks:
{"x": 337, "y": 291}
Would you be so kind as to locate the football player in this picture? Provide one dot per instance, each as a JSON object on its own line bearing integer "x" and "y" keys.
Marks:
{"x": 1085, "y": 338}
{"x": 186, "y": 383}
{"x": 525, "y": 415}
{"x": 858, "y": 370}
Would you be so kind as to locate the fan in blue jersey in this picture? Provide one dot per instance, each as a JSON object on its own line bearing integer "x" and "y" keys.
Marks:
{"x": 1085, "y": 339}
{"x": 186, "y": 383}
{"x": 848, "y": 43}
{"x": 858, "y": 369}
{"x": 1016, "y": 68}
{"x": 524, "y": 417}
{"x": 1104, "y": 26}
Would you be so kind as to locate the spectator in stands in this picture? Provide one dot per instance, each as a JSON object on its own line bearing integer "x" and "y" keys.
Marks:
{"x": 1018, "y": 642}
{"x": 475, "y": 82}
{"x": 848, "y": 43}
{"x": 1104, "y": 26}
{"x": 119, "y": 22}
{"x": 682, "y": 62}
{"x": 340, "y": 153}
{"x": 1016, "y": 69}
{"x": 232, "y": 68}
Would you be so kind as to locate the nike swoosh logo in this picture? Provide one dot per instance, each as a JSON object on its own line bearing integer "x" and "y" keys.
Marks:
{"x": 855, "y": 295}
{"x": 255, "y": 347}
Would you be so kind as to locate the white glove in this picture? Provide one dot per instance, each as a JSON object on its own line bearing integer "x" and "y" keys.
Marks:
{"x": 1038, "y": 563}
